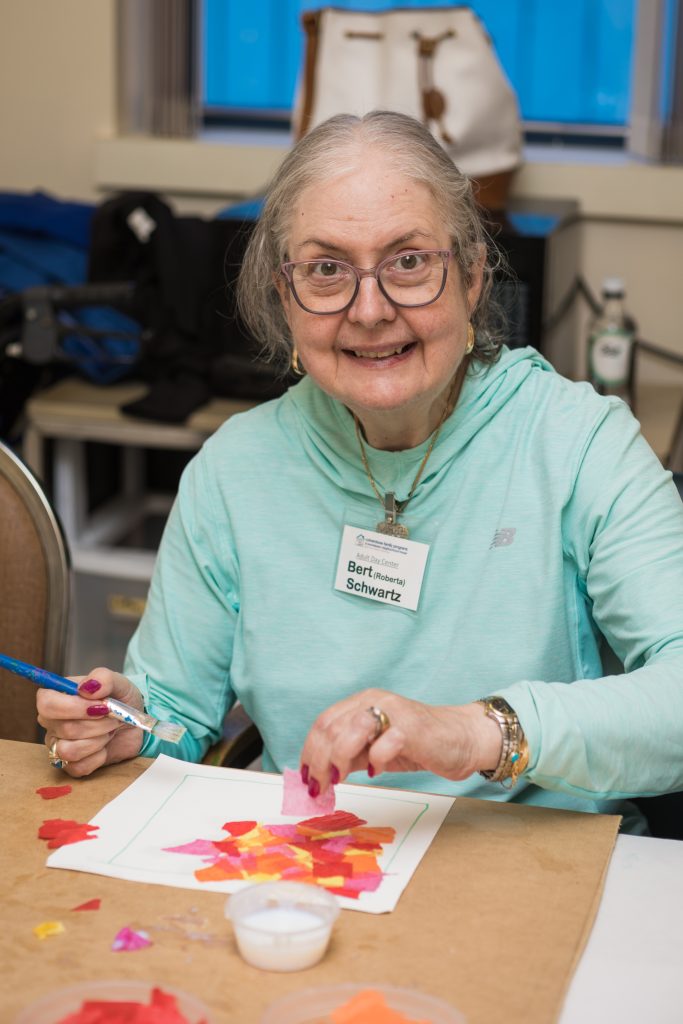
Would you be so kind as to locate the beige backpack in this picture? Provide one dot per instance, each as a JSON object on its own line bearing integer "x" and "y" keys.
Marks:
{"x": 437, "y": 64}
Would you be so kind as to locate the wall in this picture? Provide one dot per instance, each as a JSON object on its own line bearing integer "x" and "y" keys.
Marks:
{"x": 632, "y": 227}
{"x": 649, "y": 257}
{"x": 58, "y": 93}
{"x": 57, "y": 63}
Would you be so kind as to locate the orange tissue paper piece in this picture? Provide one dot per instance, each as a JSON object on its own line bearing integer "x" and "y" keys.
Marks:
{"x": 361, "y": 863}
{"x": 272, "y": 864}
{"x": 218, "y": 872}
{"x": 373, "y": 836}
{"x": 370, "y": 1007}
{"x": 52, "y": 792}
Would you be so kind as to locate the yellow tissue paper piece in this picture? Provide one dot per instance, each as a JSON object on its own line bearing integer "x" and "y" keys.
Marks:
{"x": 335, "y": 882}
{"x": 47, "y": 928}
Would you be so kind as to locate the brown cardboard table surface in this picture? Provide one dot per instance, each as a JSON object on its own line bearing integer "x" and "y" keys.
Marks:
{"x": 493, "y": 920}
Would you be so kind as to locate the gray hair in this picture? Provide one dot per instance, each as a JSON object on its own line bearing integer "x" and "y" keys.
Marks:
{"x": 331, "y": 149}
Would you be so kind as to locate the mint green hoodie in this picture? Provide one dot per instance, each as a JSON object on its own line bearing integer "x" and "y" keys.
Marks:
{"x": 552, "y": 524}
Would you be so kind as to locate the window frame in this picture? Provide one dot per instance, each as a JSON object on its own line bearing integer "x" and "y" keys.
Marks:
{"x": 153, "y": 42}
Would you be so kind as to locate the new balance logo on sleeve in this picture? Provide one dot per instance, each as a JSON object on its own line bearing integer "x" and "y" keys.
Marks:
{"x": 502, "y": 538}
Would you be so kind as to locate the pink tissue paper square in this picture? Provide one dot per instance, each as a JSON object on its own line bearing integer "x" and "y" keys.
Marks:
{"x": 129, "y": 941}
{"x": 297, "y": 801}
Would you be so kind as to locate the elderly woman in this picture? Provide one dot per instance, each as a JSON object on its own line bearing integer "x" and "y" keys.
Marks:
{"x": 411, "y": 564}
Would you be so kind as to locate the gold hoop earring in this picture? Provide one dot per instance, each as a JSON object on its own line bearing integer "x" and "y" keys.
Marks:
{"x": 470, "y": 338}
{"x": 296, "y": 367}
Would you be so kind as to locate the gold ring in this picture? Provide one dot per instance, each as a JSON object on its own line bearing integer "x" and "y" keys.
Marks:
{"x": 382, "y": 722}
{"x": 55, "y": 760}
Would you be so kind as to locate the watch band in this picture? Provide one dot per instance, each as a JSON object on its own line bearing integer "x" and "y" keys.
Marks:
{"x": 514, "y": 754}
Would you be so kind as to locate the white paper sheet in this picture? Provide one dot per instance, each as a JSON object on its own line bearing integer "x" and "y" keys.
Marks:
{"x": 174, "y": 803}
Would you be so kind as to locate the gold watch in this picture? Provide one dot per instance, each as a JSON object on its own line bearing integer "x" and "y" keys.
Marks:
{"x": 514, "y": 754}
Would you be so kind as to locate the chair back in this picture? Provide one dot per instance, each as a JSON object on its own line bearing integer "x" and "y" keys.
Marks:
{"x": 34, "y": 592}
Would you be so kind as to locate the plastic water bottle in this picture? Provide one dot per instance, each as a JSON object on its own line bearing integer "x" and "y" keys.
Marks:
{"x": 610, "y": 344}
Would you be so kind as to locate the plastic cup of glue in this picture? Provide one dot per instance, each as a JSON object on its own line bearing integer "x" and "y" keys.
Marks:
{"x": 282, "y": 926}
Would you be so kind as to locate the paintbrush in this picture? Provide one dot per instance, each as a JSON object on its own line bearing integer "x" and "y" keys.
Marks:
{"x": 117, "y": 709}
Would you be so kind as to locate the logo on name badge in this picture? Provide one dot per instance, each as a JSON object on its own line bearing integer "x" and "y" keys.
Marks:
{"x": 380, "y": 568}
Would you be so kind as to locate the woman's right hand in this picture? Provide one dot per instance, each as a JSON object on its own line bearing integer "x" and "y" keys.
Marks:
{"x": 79, "y": 731}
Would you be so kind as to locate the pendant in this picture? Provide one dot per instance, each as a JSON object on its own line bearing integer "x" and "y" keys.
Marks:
{"x": 389, "y": 525}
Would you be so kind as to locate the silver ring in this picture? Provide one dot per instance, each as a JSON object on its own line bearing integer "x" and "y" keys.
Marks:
{"x": 55, "y": 760}
{"x": 382, "y": 722}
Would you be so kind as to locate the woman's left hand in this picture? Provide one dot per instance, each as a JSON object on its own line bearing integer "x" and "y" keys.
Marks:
{"x": 449, "y": 741}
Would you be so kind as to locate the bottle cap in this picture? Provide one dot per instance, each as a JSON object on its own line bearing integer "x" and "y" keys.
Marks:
{"x": 613, "y": 287}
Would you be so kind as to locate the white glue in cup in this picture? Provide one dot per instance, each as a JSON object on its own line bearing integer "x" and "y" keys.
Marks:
{"x": 282, "y": 926}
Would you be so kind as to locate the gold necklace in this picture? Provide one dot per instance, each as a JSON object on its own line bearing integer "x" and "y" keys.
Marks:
{"x": 392, "y": 508}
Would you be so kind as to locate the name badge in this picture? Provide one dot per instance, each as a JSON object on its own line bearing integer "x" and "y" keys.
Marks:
{"x": 381, "y": 568}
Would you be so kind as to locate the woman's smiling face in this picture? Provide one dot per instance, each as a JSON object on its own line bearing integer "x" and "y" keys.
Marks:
{"x": 389, "y": 365}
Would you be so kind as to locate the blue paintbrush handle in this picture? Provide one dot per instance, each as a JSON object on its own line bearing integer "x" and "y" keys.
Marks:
{"x": 39, "y": 676}
{"x": 125, "y": 713}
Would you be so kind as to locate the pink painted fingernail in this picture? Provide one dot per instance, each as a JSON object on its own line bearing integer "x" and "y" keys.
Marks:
{"x": 334, "y": 775}
{"x": 90, "y": 686}
{"x": 313, "y": 788}
{"x": 304, "y": 774}
{"x": 371, "y": 771}
{"x": 97, "y": 710}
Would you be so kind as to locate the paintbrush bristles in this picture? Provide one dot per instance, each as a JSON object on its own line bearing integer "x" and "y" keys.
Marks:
{"x": 140, "y": 719}
{"x": 169, "y": 732}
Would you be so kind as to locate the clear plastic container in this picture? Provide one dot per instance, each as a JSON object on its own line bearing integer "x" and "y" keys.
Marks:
{"x": 314, "y": 1005}
{"x": 55, "y": 1007}
{"x": 282, "y": 926}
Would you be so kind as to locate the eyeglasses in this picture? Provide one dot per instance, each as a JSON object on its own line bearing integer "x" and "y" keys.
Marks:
{"x": 413, "y": 278}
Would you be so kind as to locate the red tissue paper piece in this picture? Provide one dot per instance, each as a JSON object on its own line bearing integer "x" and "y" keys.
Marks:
{"x": 89, "y": 905}
{"x": 129, "y": 941}
{"x": 52, "y": 792}
{"x": 239, "y": 828}
{"x": 60, "y": 832}
{"x": 161, "y": 1009}
{"x": 340, "y": 821}
{"x": 296, "y": 799}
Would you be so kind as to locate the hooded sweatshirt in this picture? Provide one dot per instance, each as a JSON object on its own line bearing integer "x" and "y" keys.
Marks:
{"x": 555, "y": 538}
